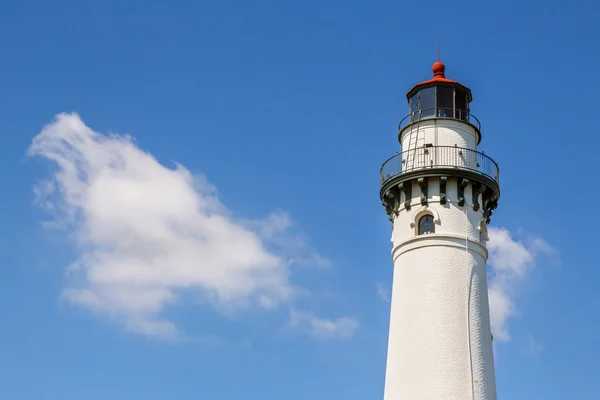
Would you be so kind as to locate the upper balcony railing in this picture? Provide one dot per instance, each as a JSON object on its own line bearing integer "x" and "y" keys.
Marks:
{"x": 431, "y": 157}
{"x": 447, "y": 113}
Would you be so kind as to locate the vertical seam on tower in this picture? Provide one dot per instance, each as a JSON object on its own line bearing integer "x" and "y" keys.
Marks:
{"x": 468, "y": 285}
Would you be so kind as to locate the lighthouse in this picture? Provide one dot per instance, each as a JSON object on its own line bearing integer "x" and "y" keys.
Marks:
{"x": 439, "y": 192}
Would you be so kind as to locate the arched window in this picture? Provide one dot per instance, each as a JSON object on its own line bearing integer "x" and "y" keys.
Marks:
{"x": 426, "y": 224}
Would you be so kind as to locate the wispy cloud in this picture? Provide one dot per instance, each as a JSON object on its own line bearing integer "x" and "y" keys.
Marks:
{"x": 275, "y": 230}
{"x": 533, "y": 346}
{"x": 309, "y": 323}
{"x": 511, "y": 261}
{"x": 383, "y": 292}
{"x": 146, "y": 234}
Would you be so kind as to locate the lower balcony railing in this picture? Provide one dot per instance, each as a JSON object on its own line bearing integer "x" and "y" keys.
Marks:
{"x": 439, "y": 157}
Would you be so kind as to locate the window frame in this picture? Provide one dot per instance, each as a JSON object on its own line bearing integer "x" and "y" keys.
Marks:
{"x": 416, "y": 215}
{"x": 428, "y": 224}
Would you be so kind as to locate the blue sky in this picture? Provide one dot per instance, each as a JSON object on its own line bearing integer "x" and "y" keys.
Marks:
{"x": 259, "y": 267}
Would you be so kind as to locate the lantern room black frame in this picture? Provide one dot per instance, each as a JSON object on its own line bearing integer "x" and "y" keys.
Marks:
{"x": 442, "y": 100}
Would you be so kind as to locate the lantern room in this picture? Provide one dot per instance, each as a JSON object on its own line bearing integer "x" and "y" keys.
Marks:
{"x": 439, "y": 98}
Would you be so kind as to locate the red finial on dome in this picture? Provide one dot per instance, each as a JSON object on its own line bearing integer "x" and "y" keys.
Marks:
{"x": 438, "y": 69}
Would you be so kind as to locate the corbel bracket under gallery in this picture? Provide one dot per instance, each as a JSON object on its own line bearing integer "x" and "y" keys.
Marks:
{"x": 443, "y": 193}
{"x": 462, "y": 184}
{"x": 477, "y": 189}
{"x": 423, "y": 185}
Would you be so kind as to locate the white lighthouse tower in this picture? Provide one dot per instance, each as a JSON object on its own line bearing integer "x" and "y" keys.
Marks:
{"x": 439, "y": 193}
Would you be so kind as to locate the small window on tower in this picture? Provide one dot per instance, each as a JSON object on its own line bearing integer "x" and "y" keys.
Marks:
{"x": 426, "y": 225}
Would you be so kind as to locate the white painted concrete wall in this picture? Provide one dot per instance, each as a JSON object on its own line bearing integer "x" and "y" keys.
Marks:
{"x": 440, "y": 344}
{"x": 440, "y": 132}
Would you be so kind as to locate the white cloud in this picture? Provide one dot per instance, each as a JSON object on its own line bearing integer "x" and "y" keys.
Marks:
{"x": 510, "y": 261}
{"x": 146, "y": 234}
{"x": 307, "y": 322}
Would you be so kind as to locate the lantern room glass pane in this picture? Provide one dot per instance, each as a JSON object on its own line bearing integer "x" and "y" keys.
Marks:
{"x": 462, "y": 111}
{"x": 427, "y": 102}
{"x": 414, "y": 107}
{"x": 445, "y": 102}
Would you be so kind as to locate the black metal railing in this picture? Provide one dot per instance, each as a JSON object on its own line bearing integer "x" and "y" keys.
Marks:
{"x": 439, "y": 156}
{"x": 448, "y": 113}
